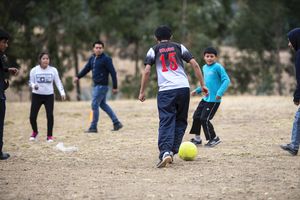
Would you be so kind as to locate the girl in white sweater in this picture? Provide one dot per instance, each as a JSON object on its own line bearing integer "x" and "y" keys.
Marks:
{"x": 41, "y": 81}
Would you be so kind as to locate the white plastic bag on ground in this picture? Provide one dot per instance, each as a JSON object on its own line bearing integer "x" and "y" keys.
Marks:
{"x": 60, "y": 146}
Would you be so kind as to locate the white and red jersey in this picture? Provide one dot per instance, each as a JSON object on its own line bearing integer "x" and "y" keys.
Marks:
{"x": 168, "y": 58}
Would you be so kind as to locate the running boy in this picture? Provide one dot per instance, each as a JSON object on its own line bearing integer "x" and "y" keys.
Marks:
{"x": 173, "y": 95}
{"x": 41, "y": 83}
{"x": 294, "y": 43}
{"x": 217, "y": 82}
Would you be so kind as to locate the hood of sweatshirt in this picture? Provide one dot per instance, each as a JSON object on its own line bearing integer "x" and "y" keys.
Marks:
{"x": 294, "y": 38}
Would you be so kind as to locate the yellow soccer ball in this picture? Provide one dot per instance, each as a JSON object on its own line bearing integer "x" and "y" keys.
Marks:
{"x": 187, "y": 151}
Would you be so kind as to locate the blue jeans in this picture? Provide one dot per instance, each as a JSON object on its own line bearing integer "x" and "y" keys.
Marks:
{"x": 99, "y": 99}
{"x": 295, "y": 139}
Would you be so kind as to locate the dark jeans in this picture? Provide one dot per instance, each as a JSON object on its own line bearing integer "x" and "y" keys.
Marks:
{"x": 202, "y": 116}
{"x": 173, "y": 108}
{"x": 2, "y": 116}
{"x": 36, "y": 103}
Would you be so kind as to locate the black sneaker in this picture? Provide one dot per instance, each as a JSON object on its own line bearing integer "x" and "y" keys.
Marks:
{"x": 117, "y": 126}
{"x": 4, "y": 156}
{"x": 167, "y": 159}
{"x": 289, "y": 149}
{"x": 196, "y": 142}
{"x": 91, "y": 130}
{"x": 213, "y": 142}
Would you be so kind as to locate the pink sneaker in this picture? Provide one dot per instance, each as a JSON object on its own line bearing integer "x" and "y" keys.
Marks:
{"x": 49, "y": 138}
{"x": 33, "y": 136}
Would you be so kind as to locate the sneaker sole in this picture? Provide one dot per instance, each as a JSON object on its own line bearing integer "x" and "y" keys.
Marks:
{"x": 214, "y": 144}
{"x": 32, "y": 139}
{"x": 164, "y": 163}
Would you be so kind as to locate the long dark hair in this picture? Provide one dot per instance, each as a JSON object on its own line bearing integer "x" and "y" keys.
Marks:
{"x": 41, "y": 55}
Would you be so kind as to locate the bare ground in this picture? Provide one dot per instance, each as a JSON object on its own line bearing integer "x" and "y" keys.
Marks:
{"x": 248, "y": 164}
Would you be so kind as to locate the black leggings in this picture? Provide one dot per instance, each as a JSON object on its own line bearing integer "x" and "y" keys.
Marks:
{"x": 202, "y": 116}
{"x": 36, "y": 103}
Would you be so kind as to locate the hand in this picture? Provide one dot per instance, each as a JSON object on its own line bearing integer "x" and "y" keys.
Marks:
{"x": 13, "y": 70}
{"x": 193, "y": 93}
{"x": 142, "y": 97}
{"x": 115, "y": 91}
{"x": 36, "y": 87}
{"x": 205, "y": 90}
{"x": 63, "y": 97}
{"x": 218, "y": 97}
{"x": 76, "y": 79}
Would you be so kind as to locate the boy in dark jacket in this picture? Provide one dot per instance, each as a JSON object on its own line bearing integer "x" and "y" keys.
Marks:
{"x": 294, "y": 43}
{"x": 4, "y": 69}
{"x": 101, "y": 66}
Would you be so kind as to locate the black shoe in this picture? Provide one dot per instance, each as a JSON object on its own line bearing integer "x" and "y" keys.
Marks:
{"x": 117, "y": 126}
{"x": 196, "y": 142}
{"x": 4, "y": 156}
{"x": 289, "y": 149}
{"x": 91, "y": 130}
{"x": 166, "y": 159}
{"x": 213, "y": 142}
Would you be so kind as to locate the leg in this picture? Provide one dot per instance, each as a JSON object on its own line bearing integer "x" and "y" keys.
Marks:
{"x": 104, "y": 106}
{"x": 167, "y": 116}
{"x": 35, "y": 107}
{"x": 209, "y": 110}
{"x": 2, "y": 116}
{"x": 97, "y": 98}
{"x": 295, "y": 138}
{"x": 49, "y": 105}
{"x": 3, "y": 156}
{"x": 196, "y": 127}
{"x": 182, "y": 108}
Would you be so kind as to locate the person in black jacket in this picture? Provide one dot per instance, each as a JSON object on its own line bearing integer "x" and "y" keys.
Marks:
{"x": 294, "y": 43}
{"x": 4, "y": 69}
{"x": 101, "y": 66}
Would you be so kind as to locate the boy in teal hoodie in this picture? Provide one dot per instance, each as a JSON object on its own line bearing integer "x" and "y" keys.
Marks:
{"x": 217, "y": 82}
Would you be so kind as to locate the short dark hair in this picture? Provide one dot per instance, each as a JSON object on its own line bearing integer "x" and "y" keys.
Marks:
{"x": 210, "y": 50}
{"x": 4, "y": 35}
{"x": 163, "y": 32}
{"x": 98, "y": 42}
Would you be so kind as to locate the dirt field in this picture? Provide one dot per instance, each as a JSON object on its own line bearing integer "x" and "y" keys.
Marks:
{"x": 248, "y": 164}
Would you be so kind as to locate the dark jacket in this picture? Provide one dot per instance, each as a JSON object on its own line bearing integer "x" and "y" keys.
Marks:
{"x": 101, "y": 67}
{"x": 294, "y": 38}
{"x": 3, "y": 75}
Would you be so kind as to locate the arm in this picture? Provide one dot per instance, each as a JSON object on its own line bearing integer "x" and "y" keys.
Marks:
{"x": 225, "y": 82}
{"x": 59, "y": 84}
{"x": 13, "y": 70}
{"x": 5, "y": 66}
{"x": 113, "y": 74}
{"x": 145, "y": 80}
{"x": 297, "y": 67}
{"x": 32, "y": 83}
{"x": 196, "y": 91}
{"x": 84, "y": 71}
{"x": 199, "y": 75}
